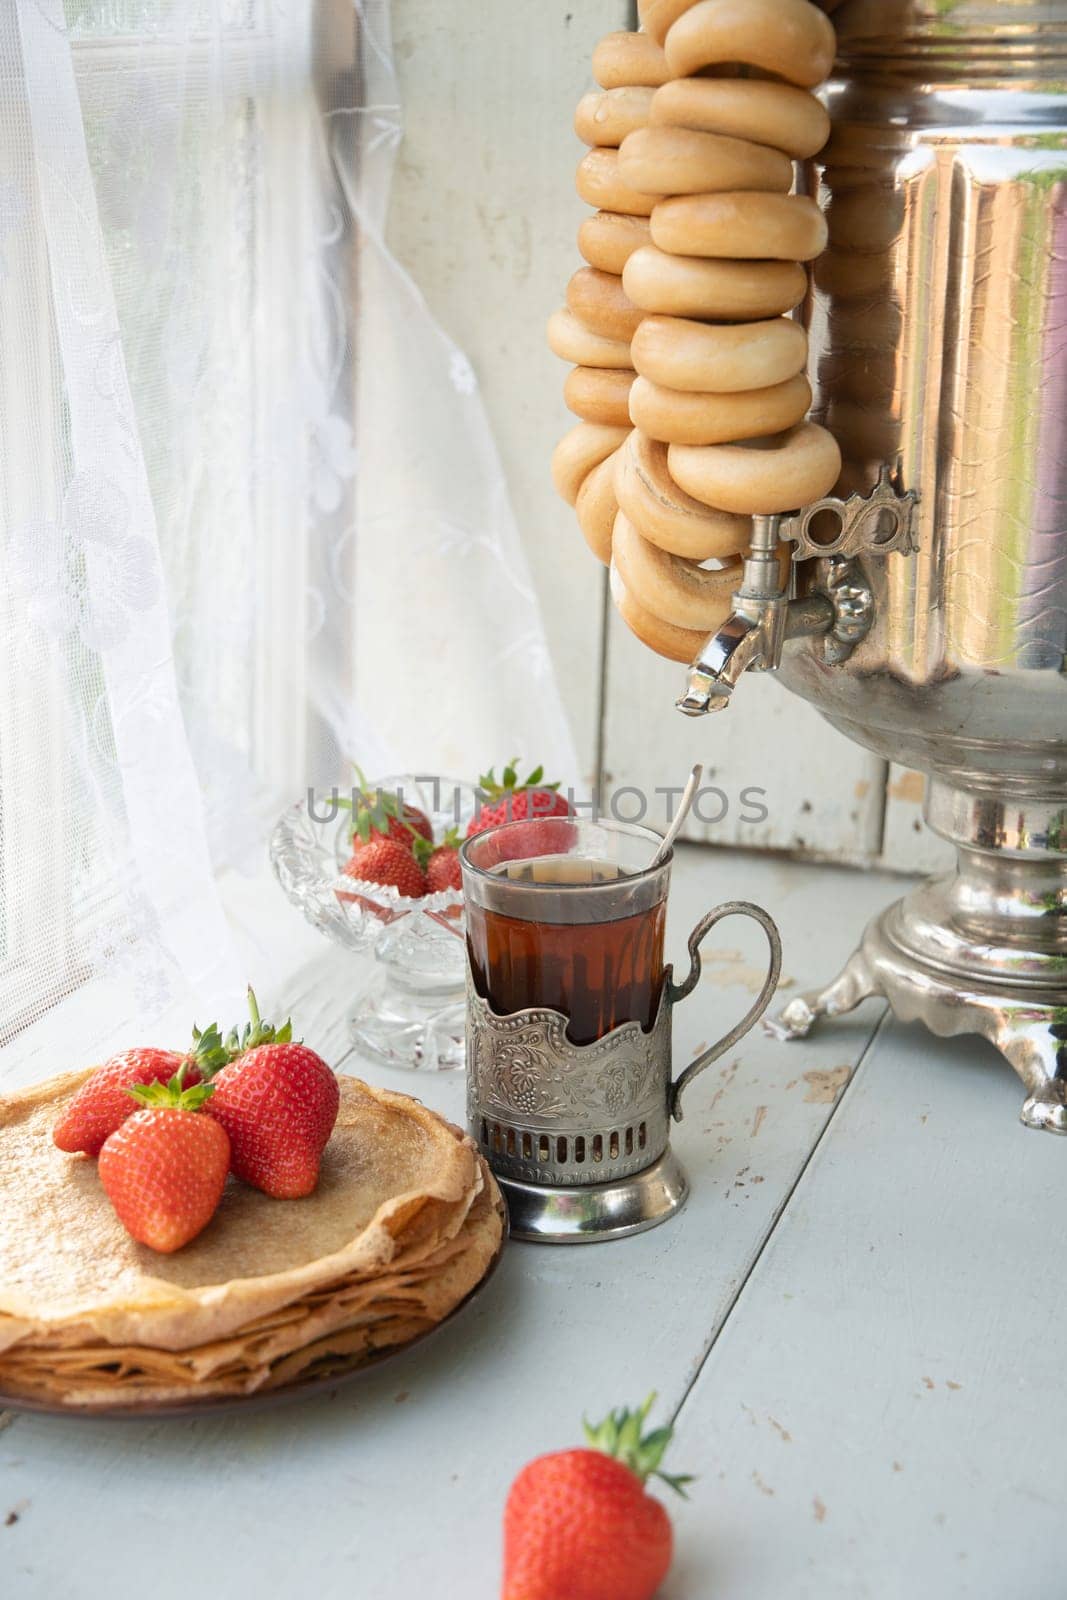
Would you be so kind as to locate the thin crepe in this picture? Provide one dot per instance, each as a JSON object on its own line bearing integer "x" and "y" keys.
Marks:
{"x": 66, "y": 1262}
{"x": 136, "y": 1376}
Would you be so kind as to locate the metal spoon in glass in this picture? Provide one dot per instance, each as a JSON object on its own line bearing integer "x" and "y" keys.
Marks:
{"x": 688, "y": 794}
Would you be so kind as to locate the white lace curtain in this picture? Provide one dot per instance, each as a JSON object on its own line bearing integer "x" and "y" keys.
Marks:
{"x": 252, "y": 521}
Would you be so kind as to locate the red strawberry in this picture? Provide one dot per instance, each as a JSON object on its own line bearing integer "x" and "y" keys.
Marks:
{"x": 512, "y": 801}
{"x": 102, "y": 1104}
{"x": 387, "y": 862}
{"x": 165, "y": 1168}
{"x": 578, "y": 1525}
{"x": 441, "y": 862}
{"x": 278, "y": 1103}
{"x": 378, "y": 814}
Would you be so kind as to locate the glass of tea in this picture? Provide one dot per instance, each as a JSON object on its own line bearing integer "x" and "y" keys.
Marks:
{"x": 565, "y": 914}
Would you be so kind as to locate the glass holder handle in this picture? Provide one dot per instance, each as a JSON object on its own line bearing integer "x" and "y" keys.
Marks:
{"x": 680, "y": 991}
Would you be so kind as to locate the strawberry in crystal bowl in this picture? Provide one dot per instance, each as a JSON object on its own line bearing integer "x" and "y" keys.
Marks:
{"x": 375, "y": 868}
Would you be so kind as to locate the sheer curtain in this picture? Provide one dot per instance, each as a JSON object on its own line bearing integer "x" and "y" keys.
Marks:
{"x": 252, "y": 521}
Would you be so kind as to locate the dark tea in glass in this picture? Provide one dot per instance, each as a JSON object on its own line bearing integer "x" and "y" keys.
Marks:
{"x": 565, "y": 914}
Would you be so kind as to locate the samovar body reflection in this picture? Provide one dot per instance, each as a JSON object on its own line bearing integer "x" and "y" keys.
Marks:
{"x": 938, "y": 332}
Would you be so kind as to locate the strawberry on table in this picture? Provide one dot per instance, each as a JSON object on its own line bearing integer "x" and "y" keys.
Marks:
{"x": 278, "y": 1103}
{"x": 102, "y": 1103}
{"x": 164, "y": 1168}
{"x": 510, "y": 800}
{"x": 579, "y": 1525}
{"x": 390, "y": 863}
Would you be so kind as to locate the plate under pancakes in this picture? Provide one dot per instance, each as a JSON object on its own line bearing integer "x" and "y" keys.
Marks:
{"x": 404, "y": 1224}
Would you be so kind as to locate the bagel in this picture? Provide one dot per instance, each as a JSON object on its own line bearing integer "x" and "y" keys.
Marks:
{"x": 697, "y": 419}
{"x": 677, "y": 591}
{"x": 600, "y": 183}
{"x": 664, "y": 513}
{"x": 775, "y": 114}
{"x": 760, "y": 476}
{"x": 685, "y": 286}
{"x": 606, "y": 118}
{"x": 664, "y": 161}
{"x": 629, "y": 60}
{"x": 572, "y": 341}
{"x": 599, "y": 394}
{"x": 597, "y": 508}
{"x": 658, "y": 15}
{"x": 790, "y": 38}
{"x": 578, "y": 452}
{"x": 721, "y": 358}
{"x": 742, "y": 226}
{"x": 607, "y": 241}
{"x": 599, "y": 300}
{"x": 677, "y": 644}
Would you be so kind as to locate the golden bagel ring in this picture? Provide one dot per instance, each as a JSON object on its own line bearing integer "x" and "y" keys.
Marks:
{"x": 600, "y": 183}
{"x": 776, "y": 114}
{"x": 728, "y": 291}
{"x": 741, "y": 226}
{"x": 718, "y": 358}
{"x": 597, "y": 508}
{"x": 599, "y": 300}
{"x": 677, "y": 644}
{"x": 677, "y": 417}
{"x": 657, "y": 16}
{"x": 572, "y": 341}
{"x": 606, "y": 116}
{"x": 664, "y": 513}
{"x": 664, "y": 161}
{"x": 607, "y": 240}
{"x": 790, "y": 38}
{"x": 677, "y": 591}
{"x": 760, "y": 476}
{"x": 599, "y": 394}
{"x": 578, "y": 452}
{"x": 625, "y": 60}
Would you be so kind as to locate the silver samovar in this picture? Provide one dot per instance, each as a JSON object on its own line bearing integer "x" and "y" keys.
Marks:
{"x": 928, "y": 618}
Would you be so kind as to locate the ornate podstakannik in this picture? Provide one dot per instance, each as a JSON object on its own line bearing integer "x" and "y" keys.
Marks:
{"x": 563, "y": 1116}
{"x": 549, "y": 1111}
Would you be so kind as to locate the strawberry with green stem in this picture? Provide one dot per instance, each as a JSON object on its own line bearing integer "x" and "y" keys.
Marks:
{"x": 579, "y": 1525}
{"x": 440, "y": 862}
{"x": 164, "y": 1168}
{"x": 513, "y": 800}
{"x": 102, "y": 1104}
{"x": 378, "y": 814}
{"x": 277, "y": 1101}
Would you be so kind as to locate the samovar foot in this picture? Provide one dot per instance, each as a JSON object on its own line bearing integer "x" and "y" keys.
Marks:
{"x": 1025, "y": 1019}
{"x": 856, "y": 983}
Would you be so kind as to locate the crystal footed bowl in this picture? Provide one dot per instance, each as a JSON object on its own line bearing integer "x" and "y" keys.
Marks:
{"x": 412, "y": 1015}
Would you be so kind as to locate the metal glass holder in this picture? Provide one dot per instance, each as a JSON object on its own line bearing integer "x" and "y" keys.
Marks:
{"x": 578, "y": 1136}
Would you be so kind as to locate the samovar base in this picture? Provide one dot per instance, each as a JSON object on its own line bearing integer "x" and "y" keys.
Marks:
{"x": 1025, "y": 1023}
{"x": 596, "y": 1211}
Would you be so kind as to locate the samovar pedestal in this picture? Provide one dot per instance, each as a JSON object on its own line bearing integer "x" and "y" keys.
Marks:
{"x": 982, "y": 950}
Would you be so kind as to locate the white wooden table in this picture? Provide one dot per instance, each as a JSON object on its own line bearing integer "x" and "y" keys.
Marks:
{"x": 857, "y": 1321}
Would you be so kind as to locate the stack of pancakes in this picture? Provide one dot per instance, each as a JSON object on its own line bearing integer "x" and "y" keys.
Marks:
{"x": 404, "y": 1224}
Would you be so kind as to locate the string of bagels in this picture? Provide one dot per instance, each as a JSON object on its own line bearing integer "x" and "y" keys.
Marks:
{"x": 688, "y": 371}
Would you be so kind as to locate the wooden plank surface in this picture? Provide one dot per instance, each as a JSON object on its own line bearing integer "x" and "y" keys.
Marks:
{"x": 395, "y": 1484}
{"x": 884, "y": 1414}
{"x": 484, "y": 216}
